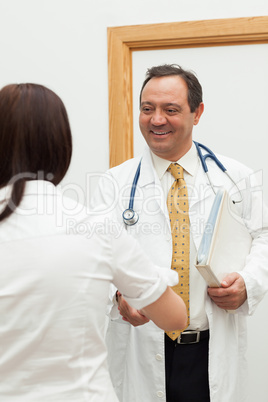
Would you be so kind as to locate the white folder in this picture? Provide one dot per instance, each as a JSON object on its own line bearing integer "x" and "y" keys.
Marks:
{"x": 225, "y": 243}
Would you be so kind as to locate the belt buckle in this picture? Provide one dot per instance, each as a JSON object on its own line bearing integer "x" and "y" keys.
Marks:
{"x": 197, "y": 339}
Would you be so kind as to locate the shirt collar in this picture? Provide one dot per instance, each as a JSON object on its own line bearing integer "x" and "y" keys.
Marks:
{"x": 189, "y": 162}
{"x": 31, "y": 187}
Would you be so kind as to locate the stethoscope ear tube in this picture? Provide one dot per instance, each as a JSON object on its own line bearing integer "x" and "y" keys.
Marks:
{"x": 212, "y": 156}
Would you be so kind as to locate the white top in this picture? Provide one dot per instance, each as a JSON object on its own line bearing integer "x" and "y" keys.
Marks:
{"x": 198, "y": 287}
{"x": 53, "y": 296}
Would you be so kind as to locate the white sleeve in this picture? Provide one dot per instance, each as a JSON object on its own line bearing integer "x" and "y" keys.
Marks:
{"x": 255, "y": 272}
{"x": 103, "y": 206}
{"x": 139, "y": 280}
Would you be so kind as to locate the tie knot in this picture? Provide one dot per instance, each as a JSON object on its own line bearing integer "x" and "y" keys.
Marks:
{"x": 176, "y": 170}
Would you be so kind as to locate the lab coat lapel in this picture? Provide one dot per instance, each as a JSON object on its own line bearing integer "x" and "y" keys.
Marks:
{"x": 150, "y": 181}
{"x": 147, "y": 175}
{"x": 202, "y": 198}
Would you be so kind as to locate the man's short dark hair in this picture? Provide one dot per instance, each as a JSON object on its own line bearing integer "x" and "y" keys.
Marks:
{"x": 195, "y": 95}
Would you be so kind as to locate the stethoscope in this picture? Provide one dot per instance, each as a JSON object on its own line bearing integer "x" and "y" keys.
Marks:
{"x": 131, "y": 217}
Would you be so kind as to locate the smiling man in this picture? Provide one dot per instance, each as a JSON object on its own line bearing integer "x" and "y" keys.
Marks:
{"x": 205, "y": 362}
{"x": 166, "y": 118}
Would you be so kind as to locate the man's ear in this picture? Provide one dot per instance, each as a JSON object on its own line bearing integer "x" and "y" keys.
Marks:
{"x": 198, "y": 113}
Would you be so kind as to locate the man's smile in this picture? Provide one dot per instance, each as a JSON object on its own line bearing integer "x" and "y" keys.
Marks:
{"x": 160, "y": 132}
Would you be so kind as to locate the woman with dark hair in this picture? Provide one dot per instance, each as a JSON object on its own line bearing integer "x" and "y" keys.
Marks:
{"x": 35, "y": 138}
{"x": 54, "y": 286}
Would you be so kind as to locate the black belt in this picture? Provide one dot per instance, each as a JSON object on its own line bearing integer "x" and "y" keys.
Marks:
{"x": 187, "y": 337}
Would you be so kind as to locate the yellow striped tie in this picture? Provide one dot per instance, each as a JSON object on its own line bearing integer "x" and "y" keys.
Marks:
{"x": 178, "y": 207}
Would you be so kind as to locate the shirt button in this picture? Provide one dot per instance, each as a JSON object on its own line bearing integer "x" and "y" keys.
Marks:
{"x": 158, "y": 357}
{"x": 160, "y": 394}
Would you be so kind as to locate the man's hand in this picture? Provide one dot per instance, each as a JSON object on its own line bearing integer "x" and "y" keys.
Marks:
{"x": 130, "y": 314}
{"x": 232, "y": 294}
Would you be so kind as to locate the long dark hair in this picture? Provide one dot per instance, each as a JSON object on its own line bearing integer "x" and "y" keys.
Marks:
{"x": 35, "y": 139}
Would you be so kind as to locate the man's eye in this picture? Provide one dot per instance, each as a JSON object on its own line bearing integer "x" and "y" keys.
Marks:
{"x": 146, "y": 109}
{"x": 171, "y": 111}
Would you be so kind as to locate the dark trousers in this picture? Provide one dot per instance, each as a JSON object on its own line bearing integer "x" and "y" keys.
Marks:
{"x": 186, "y": 371}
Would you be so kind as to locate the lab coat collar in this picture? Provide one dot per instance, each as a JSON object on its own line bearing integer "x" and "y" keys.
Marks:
{"x": 40, "y": 187}
{"x": 36, "y": 187}
{"x": 148, "y": 174}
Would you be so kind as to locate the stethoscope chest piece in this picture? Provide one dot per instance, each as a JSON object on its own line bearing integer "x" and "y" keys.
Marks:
{"x": 130, "y": 217}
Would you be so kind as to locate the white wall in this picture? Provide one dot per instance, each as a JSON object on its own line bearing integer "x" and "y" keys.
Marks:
{"x": 63, "y": 44}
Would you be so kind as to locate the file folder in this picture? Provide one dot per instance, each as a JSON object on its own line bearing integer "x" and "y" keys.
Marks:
{"x": 225, "y": 243}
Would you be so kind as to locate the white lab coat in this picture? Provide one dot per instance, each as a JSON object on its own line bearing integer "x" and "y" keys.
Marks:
{"x": 136, "y": 354}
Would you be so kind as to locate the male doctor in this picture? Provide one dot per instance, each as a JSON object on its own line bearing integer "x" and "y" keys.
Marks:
{"x": 206, "y": 362}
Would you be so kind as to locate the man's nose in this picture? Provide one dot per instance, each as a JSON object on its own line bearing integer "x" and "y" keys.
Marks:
{"x": 158, "y": 118}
